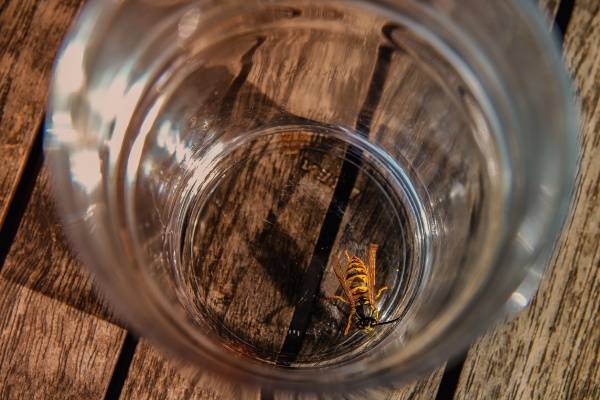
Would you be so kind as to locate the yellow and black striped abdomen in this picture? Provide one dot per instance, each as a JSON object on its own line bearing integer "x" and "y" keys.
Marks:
{"x": 356, "y": 278}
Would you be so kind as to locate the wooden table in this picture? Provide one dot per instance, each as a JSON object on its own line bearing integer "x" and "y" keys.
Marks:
{"x": 60, "y": 339}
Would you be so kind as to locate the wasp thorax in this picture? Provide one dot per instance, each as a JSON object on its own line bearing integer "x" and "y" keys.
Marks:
{"x": 365, "y": 311}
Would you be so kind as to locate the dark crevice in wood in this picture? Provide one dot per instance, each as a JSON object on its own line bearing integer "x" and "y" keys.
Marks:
{"x": 563, "y": 16}
{"x": 333, "y": 218}
{"x": 450, "y": 379}
{"x": 21, "y": 198}
{"x": 312, "y": 281}
{"x": 119, "y": 376}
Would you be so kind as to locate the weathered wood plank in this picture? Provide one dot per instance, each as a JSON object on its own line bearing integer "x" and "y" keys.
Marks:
{"x": 30, "y": 33}
{"x": 52, "y": 351}
{"x": 40, "y": 258}
{"x": 552, "y": 350}
{"x": 425, "y": 388}
{"x": 154, "y": 376}
{"x": 170, "y": 381}
{"x": 46, "y": 300}
{"x": 48, "y": 348}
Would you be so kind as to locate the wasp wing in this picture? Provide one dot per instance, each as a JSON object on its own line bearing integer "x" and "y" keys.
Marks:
{"x": 371, "y": 253}
{"x": 339, "y": 273}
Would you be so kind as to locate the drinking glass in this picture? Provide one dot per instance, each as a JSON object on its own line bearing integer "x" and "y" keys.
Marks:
{"x": 244, "y": 176}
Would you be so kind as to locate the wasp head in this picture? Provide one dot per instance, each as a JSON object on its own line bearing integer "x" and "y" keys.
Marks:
{"x": 366, "y": 316}
{"x": 366, "y": 324}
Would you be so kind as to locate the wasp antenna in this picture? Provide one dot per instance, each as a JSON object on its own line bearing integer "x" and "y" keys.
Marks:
{"x": 388, "y": 322}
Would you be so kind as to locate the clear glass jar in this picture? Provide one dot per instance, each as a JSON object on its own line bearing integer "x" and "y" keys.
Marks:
{"x": 213, "y": 160}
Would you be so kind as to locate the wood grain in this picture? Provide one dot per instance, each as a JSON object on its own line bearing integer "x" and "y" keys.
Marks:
{"x": 54, "y": 347}
{"x": 40, "y": 258}
{"x": 30, "y": 34}
{"x": 154, "y": 376}
{"x": 425, "y": 388}
{"x": 552, "y": 349}
{"x": 50, "y": 350}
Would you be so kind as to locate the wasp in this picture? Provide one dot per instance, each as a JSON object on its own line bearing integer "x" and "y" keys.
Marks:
{"x": 358, "y": 283}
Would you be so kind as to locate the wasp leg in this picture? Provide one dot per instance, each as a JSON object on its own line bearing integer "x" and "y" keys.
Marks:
{"x": 349, "y": 323}
{"x": 347, "y": 255}
{"x": 339, "y": 298}
{"x": 381, "y": 290}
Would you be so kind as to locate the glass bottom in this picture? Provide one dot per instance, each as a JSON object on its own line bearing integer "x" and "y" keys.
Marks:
{"x": 259, "y": 237}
